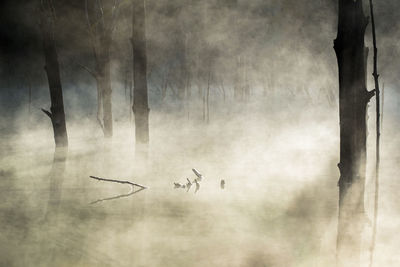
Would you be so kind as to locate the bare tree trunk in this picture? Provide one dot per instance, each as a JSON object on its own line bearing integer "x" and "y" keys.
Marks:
{"x": 104, "y": 82}
{"x": 99, "y": 103}
{"x": 30, "y": 96}
{"x": 383, "y": 104}
{"x": 238, "y": 88}
{"x": 238, "y": 81}
{"x": 131, "y": 98}
{"x": 204, "y": 105}
{"x": 164, "y": 85}
{"x": 378, "y": 134}
{"x": 246, "y": 84}
{"x": 101, "y": 19}
{"x": 140, "y": 102}
{"x": 208, "y": 96}
{"x": 351, "y": 56}
{"x": 183, "y": 74}
{"x": 223, "y": 90}
{"x": 56, "y": 113}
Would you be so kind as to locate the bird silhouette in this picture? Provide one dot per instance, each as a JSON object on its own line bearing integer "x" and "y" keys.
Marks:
{"x": 197, "y": 186}
{"x": 188, "y": 185}
{"x": 199, "y": 175}
{"x": 177, "y": 185}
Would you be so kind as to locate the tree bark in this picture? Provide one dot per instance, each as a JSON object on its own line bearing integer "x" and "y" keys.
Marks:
{"x": 101, "y": 19}
{"x": 104, "y": 83}
{"x": 378, "y": 134}
{"x": 140, "y": 96}
{"x": 351, "y": 56}
{"x": 56, "y": 113}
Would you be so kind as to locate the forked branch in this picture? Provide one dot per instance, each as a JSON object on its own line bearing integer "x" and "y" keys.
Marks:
{"x": 141, "y": 187}
{"x": 117, "y": 181}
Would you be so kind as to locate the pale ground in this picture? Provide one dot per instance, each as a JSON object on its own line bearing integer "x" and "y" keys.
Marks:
{"x": 279, "y": 206}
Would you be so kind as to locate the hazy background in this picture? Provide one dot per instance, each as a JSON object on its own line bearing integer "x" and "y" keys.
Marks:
{"x": 277, "y": 151}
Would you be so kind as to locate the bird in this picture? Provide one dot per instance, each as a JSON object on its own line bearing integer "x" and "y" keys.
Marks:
{"x": 177, "y": 185}
{"x": 199, "y": 175}
{"x": 197, "y": 186}
{"x": 222, "y": 184}
{"x": 188, "y": 185}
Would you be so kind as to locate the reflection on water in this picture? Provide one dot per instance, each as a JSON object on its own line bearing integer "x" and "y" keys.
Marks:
{"x": 278, "y": 207}
{"x": 56, "y": 177}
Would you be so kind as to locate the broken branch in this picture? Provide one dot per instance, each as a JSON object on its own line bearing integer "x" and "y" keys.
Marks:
{"x": 48, "y": 113}
{"x": 93, "y": 73}
{"x": 117, "y": 181}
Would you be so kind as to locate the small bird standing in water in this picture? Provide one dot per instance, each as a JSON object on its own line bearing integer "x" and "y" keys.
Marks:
{"x": 197, "y": 186}
{"x": 177, "y": 185}
{"x": 199, "y": 175}
{"x": 222, "y": 184}
{"x": 188, "y": 185}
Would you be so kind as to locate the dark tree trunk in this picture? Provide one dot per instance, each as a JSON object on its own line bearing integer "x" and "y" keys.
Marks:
{"x": 140, "y": 95}
{"x": 56, "y": 113}
{"x": 378, "y": 134}
{"x": 353, "y": 99}
{"x": 30, "y": 96}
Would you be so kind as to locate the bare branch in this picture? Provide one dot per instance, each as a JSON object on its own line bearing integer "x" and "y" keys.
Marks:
{"x": 93, "y": 73}
{"x": 370, "y": 94}
{"x": 141, "y": 187}
{"x": 48, "y": 113}
{"x": 118, "y": 181}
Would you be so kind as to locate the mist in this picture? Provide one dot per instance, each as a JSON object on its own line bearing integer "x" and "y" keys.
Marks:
{"x": 276, "y": 148}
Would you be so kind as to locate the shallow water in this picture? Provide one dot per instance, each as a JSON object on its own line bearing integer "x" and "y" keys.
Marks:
{"x": 278, "y": 208}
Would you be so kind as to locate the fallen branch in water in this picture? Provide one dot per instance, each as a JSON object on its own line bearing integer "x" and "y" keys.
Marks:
{"x": 120, "y": 182}
{"x": 117, "y": 181}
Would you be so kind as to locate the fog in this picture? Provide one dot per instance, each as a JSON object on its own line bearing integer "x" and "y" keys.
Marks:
{"x": 277, "y": 151}
{"x": 279, "y": 206}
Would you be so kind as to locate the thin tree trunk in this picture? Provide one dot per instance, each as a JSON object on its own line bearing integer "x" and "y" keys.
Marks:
{"x": 351, "y": 56}
{"x": 131, "y": 98}
{"x": 126, "y": 82}
{"x": 223, "y": 90}
{"x": 101, "y": 23}
{"x": 105, "y": 85}
{"x": 56, "y": 113}
{"x": 140, "y": 101}
{"x": 183, "y": 73}
{"x": 204, "y": 105}
{"x": 164, "y": 85}
{"x": 30, "y": 96}
{"x": 246, "y": 84}
{"x": 208, "y": 97}
{"x": 103, "y": 80}
{"x": 378, "y": 134}
{"x": 238, "y": 88}
{"x": 238, "y": 85}
{"x": 99, "y": 104}
{"x": 383, "y": 104}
